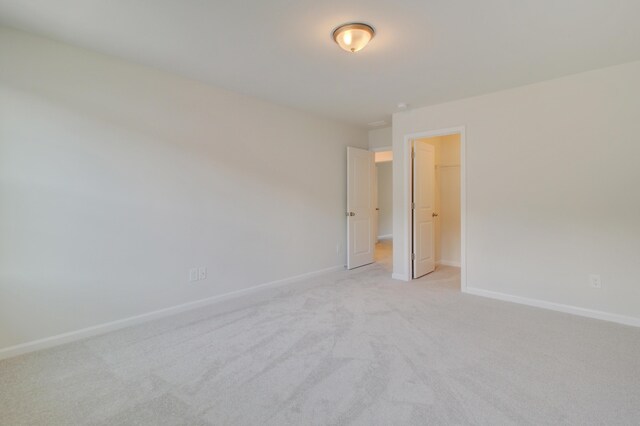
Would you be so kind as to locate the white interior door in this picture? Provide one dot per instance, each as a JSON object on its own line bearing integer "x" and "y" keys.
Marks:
{"x": 423, "y": 213}
{"x": 360, "y": 207}
{"x": 376, "y": 211}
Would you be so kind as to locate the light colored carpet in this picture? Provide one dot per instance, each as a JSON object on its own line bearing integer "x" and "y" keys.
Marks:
{"x": 350, "y": 348}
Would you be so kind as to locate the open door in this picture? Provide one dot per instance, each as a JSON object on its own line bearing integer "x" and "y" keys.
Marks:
{"x": 423, "y": 214}
{"x": 360, "y": 207}
{"x": 376, "y": 209}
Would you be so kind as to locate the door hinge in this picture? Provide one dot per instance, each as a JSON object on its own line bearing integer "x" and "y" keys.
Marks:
{"x": 413, "y": 256}
{"x": 413, "y": 206}
{"x": 413, "y": 153}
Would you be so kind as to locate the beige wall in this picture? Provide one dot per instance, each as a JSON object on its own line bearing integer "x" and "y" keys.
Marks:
{"x": 382, "y": 156}
{"x": 385, "y": 198}
{"x": 552, "y": 173}
{"x": 115, "y": 179}
{"x": 448, "y": 176}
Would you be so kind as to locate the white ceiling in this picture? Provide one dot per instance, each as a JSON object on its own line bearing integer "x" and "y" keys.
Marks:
{"x": 425, "y": 51}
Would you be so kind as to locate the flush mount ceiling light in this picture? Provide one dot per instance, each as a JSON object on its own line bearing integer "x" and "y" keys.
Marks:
{"x": 354, "y": 36}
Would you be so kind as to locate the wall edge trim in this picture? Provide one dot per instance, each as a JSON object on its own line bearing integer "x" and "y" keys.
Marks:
{"x": 95, "y": 330}
{"x": 558, "y": 307}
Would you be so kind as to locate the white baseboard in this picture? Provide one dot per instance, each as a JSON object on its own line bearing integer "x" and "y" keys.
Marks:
{"x": 569, "y": 309}
{"x": 448, "y": 263}
{"x": 401, "y": 277}
{"x": 95, "y": 330}
{"x": 385, "y": 237}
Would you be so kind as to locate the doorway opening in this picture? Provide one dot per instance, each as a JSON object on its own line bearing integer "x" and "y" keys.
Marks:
{"x": 383, "y": 216}
{"x": 436, "y": 204}
{"x": 369, "y": 208}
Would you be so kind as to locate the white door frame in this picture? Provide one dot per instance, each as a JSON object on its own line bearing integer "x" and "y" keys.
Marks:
{"x": 406, "y": 205}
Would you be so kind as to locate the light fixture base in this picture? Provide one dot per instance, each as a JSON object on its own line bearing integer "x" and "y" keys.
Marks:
{"x": 353, "y": 36}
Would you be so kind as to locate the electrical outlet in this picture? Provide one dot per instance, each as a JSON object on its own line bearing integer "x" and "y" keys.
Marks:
{"x": 202, "y": 273}
{"x": 193, "y": 274}
{"x": 595, "y": 281}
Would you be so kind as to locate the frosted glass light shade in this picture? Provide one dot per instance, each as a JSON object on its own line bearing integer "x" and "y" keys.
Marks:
{"x": 353, "y": 37}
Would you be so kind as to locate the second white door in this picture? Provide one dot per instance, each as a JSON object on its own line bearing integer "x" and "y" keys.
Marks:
{"x": 360, "y": 207}
{"x": 423, "y": 209}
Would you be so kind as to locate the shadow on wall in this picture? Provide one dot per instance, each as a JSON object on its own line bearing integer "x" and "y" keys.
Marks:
{"x": 116, "y": 179}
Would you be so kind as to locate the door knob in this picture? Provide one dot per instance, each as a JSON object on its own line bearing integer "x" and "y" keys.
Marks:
{"x": 434, "y": 214}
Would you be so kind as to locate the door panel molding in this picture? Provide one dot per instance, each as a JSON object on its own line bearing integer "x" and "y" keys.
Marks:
{"x": 360, "y": 207}
{"x": 423, "y": 202}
